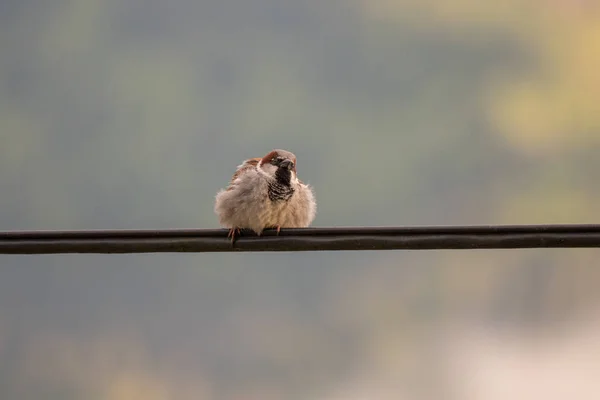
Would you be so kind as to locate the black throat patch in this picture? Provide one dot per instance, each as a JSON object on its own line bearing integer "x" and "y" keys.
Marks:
{"x": 280, "y": 188}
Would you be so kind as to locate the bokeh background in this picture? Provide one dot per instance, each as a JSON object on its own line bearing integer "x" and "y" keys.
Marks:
{"x": 134, "y": 113}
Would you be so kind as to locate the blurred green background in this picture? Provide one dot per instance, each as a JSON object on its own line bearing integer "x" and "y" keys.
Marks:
{"x": 133, "y": 114}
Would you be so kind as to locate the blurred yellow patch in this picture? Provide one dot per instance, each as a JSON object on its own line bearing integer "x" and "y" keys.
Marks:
{"x": 134, "y": 386}
{"x": 556, "y": 105}
{"x": 539, "y": 110}
{"x": 558, "y": 207}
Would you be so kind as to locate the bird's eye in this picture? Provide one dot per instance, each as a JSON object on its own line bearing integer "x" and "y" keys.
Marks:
{"x": 276, "y": 160}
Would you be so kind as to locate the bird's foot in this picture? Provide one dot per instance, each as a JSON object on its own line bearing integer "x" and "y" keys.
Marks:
{"x": 232, "y": 233}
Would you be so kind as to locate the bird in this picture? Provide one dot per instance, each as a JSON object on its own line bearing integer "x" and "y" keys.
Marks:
{"x": 266, "y": 193}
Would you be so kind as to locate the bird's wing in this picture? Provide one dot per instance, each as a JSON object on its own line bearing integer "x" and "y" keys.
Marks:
{"x": 246, "y": 165}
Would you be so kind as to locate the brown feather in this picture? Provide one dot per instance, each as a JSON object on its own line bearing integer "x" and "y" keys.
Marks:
{"x": 246, "y": 202}
{"x": 248, "y": 164}
{"x": 267, "y": 159}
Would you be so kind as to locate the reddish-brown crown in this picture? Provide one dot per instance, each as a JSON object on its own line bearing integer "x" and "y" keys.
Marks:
{"x": 269, "y": 157}
{"x": 283, "y": 153}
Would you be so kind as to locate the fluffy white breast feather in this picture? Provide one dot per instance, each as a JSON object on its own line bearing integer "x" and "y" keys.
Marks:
{"x": 266, "y": 193}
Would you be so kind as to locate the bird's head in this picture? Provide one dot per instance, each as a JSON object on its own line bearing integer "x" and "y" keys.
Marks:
{"x": 279, "y": 164}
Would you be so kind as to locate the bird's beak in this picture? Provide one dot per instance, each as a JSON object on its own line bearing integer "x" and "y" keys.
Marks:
{"x": 286, "y": 164}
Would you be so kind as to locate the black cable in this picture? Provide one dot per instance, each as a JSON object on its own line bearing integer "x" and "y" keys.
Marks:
{"x": 307, "y": 239}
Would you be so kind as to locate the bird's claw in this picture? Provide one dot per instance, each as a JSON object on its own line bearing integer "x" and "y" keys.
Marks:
{"x": 232, "y": 233}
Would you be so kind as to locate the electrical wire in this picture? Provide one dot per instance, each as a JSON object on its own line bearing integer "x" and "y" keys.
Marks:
{"x": 301, "y": 239}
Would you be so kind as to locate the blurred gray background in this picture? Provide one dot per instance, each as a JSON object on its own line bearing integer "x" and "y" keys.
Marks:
{"x": 132, "y": 114}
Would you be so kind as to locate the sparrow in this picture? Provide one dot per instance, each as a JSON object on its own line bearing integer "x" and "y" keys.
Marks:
{"x": 266, "y": 193}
